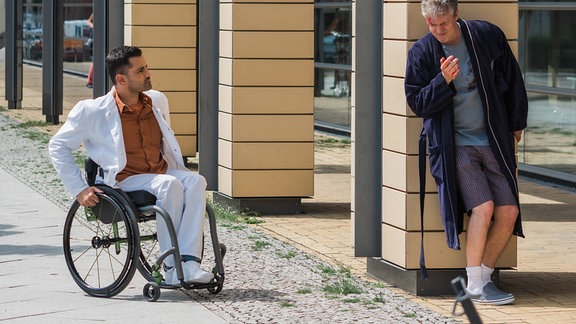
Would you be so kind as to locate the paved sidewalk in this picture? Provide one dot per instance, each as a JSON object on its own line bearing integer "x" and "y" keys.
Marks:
{"x": 36, "y": 285}
{"x": 544, "y": 282}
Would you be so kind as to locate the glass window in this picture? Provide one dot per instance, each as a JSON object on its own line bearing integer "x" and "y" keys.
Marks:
{"x": 333, "y": 59}
{"x": 78, "y": 35}
{"x": 550, "y": 139}
{"x": 548, "y": 40}
{"x": 547, "y": 55}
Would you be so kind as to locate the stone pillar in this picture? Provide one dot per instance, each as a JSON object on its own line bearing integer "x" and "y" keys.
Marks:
{"x": 266, "y": 122}
{"x": 399, "y": 264}
{"x": 166, "y": 33}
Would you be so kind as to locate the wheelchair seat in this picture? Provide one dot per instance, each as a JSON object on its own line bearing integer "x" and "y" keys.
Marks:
{"x": 141, "y": 198}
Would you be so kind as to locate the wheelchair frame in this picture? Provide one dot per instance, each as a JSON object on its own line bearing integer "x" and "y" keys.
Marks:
{"x": 114, "y": 243}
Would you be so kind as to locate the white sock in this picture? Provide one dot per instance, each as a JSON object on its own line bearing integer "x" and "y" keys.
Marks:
{"x": 475, "y": 283}
{"x": 486, "y": 274}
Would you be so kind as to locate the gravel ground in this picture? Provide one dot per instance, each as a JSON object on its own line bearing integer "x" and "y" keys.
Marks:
{"x": 267, "y": 281}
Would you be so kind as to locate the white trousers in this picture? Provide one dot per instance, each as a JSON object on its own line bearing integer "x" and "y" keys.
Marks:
{"x": 182, "y": 194}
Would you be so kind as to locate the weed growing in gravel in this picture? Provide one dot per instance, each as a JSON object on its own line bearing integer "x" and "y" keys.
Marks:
{"x": 80, "y": 159}
{"x": 31, "y": 123}
{"x": 326, "y": 270}
{"x": 331, "y": 140}
{"x": 35, "y": 135}
{"x": 379, "y": 299}
{"x": 287, "y": 304}
{"x": 379, "y": 284}
{"x": 354, "y": 300}
{"x": 343, "y": 286}
{"x": 225, "y": 215}
{"x": 304, "y": 291}
{"x": 288, "y": 255}
{"x": 260, "y": 245}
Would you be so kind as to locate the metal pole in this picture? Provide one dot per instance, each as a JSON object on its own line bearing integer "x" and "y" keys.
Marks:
{"x": 368, "y": 130}
{"x": 52, "y": 60}
{"x": 13, "y": 72}
{"x": 208, "y": 56}
{"x": 463, "y": 297}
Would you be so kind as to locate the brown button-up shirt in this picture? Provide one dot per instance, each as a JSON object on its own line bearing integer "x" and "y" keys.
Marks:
{"x": 142, "y": 138}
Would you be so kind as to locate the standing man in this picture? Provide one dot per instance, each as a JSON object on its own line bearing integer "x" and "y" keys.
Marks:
{"x": 464, "y": 81}
{"x": 127, "y": 133}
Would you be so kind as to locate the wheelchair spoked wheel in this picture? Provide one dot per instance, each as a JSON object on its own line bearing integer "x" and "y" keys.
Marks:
{"x": 101, "y": 245}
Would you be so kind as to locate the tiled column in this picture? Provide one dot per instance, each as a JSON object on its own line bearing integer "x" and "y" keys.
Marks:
{"x": 166, "y": 33}
{"x": 399, "y": 265}
{"x": 266, "y": 96}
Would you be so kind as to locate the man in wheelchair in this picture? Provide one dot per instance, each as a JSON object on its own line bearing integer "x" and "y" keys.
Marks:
{"x": 127, "y": 133}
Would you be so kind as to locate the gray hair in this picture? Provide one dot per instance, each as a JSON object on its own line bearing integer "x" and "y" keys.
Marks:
{"x": 435, "y": 8}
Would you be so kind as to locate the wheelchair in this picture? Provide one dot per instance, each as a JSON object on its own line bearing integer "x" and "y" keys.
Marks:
{"x": 104, "y": 245}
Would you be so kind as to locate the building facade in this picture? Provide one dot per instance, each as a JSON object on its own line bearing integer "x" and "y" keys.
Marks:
{"x": 287, "y": 67}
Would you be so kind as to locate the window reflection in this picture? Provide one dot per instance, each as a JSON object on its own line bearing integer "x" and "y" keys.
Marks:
{"x": 77, "y": 35}
{"x": 550, "y": 139}
{"x": 332, "y": 103}
{"x": 547, "y": 55}
{"x": 333, "y": 58}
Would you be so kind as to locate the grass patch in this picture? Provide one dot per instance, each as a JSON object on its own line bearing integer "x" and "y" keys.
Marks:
{"x": 80, "y": 159}
{"x": 332, "y": 140}
{"x": 343, "y": 286}
{"x": 228, "y": 215}
{"x": 36, "y": 136}
{"x": 339, "y": 281}
{"x": 354, "y": 300}
{"x": 287, "y": 304}
{"x": 304, "y": 291}
{"x": 379, "y": 299}
{"x": 260, "y": 245}
{"x": 32, "y": 123}
{"x": 327, "y": 270}
{"x": 379, "y": 284}
{"x": 288, "y": 255}
{"x": 225, "y": 214}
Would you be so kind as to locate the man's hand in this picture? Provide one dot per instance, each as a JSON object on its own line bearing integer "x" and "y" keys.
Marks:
{"x": 518, "y": 135}
{"x": 450, "y": 68}
{"x": 88, "y": 197}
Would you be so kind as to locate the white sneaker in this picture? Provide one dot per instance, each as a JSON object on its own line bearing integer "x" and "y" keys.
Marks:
{"x": 193, "y": 273}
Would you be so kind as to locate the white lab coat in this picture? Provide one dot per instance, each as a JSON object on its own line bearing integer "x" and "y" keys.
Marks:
{"x": 96, "y": 124}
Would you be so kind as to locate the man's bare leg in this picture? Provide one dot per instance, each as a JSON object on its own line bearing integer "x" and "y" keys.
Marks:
{"x": 500, "y": 233}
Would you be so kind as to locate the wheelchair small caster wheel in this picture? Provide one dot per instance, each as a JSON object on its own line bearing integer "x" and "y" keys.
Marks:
{"x": 151, "y": 291}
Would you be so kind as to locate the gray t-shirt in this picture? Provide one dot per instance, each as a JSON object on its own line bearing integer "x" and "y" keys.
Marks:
{"x": 469, "y": 121}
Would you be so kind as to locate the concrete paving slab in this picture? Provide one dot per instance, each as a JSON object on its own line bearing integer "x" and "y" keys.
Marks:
{"x": 35, "y": 283}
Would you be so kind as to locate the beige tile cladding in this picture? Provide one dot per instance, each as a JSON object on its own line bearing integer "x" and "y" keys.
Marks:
{"x": 403, "y": 25}
{"x": 403, "y": 249}
{"x": 166, "y": 33}
{"x": 266, "y": 121}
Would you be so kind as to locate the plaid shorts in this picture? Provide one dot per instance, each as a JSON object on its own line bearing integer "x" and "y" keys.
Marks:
{"x": 480, "y": 178}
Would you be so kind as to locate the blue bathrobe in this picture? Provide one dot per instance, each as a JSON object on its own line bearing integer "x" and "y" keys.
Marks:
{"x": 501, "y": 89}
